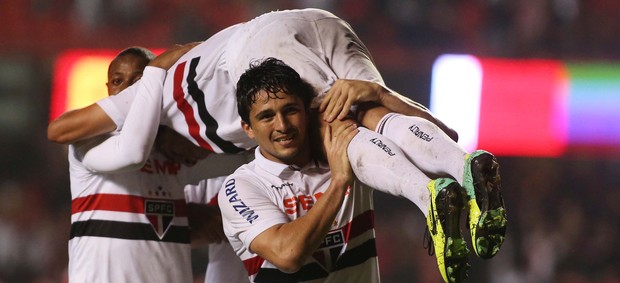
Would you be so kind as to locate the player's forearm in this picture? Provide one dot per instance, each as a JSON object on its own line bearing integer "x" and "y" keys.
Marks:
{"x": 80, "y": 124}
{"x": 292, "y": 243}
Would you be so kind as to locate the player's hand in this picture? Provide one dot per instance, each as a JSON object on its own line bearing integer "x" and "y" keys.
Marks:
{"x": 336, "y": 140}
{"x": 345, "y": 93}
{"x": 178, "y": 148}
{"x": 172, "y": 55}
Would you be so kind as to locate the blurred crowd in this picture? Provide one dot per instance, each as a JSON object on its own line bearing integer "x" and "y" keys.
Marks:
{"x": 563, "y": 212}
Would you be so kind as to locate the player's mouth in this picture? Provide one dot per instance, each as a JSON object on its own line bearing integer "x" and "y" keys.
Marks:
{"x": 285, "y": 140}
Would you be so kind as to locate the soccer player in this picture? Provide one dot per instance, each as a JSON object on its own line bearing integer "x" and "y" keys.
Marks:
{"x": 289, "y": 216}
{"x": 132, "y": 226}
{"x": 279, "y": 208}
{"x": 198, "y": 102}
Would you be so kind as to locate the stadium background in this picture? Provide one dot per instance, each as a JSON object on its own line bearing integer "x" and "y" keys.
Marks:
{"x": 563, "y": 210}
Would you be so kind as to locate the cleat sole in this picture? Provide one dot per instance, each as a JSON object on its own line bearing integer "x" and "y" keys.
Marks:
{"x": 444, "y": 226}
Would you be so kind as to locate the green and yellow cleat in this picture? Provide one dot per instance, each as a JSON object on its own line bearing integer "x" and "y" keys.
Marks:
{"x": 487, "y": 214}
{"x": 442, "y": 222}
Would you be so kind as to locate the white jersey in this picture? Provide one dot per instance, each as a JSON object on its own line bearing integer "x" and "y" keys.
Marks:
{"x": 224, "y": 265}
{"x": 264, "y": 193}
{"x": 199, "y": 91}
{"x": 128, "y": 227}
{"x": 132, "y": 226}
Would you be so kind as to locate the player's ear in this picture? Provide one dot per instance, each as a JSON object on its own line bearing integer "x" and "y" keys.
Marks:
{"x": 248, "y": 129}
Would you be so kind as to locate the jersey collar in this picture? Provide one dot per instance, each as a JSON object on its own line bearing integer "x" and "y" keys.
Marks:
{"x": 277, "y": 169}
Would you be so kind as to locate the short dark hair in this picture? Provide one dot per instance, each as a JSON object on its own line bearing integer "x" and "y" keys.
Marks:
{"x": 271, "y": 75}
{"x": 141, "y": 52}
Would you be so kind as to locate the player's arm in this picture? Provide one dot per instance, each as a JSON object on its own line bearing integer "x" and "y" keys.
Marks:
{"x": 80, "y": 124}
{"x": 345, "y": 93}
{"x": 360, "y": 81}
{"x": 130, "y": 149}
{"x": 289, "y": 245}
{"x": 107, "y": 114}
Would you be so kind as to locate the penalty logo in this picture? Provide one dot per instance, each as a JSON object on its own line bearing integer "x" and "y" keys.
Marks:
{"x": 160, "y": 214}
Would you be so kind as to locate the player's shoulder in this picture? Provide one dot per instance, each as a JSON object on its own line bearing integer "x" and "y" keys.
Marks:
{"x": 245, "y": 173}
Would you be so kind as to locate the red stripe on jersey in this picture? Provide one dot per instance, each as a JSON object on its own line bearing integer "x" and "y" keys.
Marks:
{"x": 213, "y": 201}
{"x": 252, "y": 265}
{"x": 186, "y": 109}
{"x": 120, "y": 203}
{"x": 359, "y": 225}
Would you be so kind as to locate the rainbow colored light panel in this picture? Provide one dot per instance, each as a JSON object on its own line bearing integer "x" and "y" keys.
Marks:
{"x": 528, "y": 107}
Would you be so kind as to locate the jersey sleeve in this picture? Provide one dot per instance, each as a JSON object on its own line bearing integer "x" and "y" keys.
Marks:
{"x": 247, "y": 210}
{"x": 117, "y": 106}
{"x": 131, "y": 147}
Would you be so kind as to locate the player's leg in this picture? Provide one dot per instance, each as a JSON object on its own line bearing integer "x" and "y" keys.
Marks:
{"x": 431, "y": 150}
{"x": 379, "y": 163}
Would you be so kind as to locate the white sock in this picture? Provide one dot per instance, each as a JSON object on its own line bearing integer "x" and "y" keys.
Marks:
{"x": 425, "y": 144}
{"x": 380, "y": 164}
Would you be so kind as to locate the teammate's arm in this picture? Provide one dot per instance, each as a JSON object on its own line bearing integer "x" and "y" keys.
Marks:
{"x": 351, "y": 60}
{"x": 90, "y": 121}
{"x": 80, "y": 124}
{"x": 130, "y": 149}
{"x": 377, "y": 100}
{"x": 288, "y": 245}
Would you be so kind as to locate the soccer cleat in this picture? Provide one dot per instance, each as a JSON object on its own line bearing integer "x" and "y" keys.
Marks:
{"x": 442, "y": 222}
{"x": 487, "y": 214}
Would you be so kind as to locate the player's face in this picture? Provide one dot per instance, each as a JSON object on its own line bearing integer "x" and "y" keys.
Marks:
{"x": 123, "y": 72}
{"x": 279, "y": 126}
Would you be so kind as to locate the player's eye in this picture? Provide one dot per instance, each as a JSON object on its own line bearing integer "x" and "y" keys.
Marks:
{"x": 291, "y": 109}
{"x": 265, "y": 116}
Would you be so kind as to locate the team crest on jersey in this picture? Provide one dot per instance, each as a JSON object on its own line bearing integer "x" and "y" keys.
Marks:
{"x": 330, "y": 250}
{"x": 160, "y": 214}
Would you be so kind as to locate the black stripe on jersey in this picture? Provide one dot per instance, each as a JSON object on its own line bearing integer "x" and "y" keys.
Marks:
{"x": 357, "y": 255}
{"x": 308, "y": 272}
{"x": 313, "y": 271}
{"x": 210, "y": 122}
{"x": 128, "y": 231}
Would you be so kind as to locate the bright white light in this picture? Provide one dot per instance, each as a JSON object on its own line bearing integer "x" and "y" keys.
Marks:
{"x": 455, "y": 95}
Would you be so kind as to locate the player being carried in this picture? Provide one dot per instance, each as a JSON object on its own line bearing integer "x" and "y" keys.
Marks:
{"x": 199, "y": 103}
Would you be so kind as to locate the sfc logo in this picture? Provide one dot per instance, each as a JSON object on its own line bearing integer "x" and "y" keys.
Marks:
{"x": 330, "y": 250}
{"x": 160, "y": 213}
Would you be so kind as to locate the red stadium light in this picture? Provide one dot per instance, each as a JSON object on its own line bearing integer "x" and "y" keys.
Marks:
{"x": 79, "y": 79}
